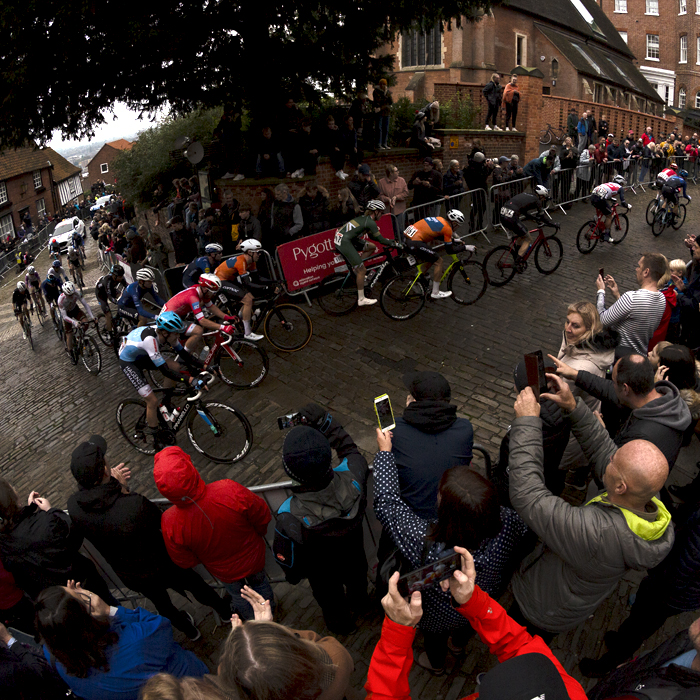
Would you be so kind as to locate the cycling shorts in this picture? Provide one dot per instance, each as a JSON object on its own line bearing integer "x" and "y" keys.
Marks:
{"x": 514, "y": 227}
{"x": 233, "y": 290}
{"x": 660, "y": 182}
{"x": 421, "y": 250}
{"x": 75, "y": 263}
{"x": 34, "y": 284}
{"x": 604, "y": 206}
{"x": 134, "y": 373}
{"x": 670, "y": 194}
{"x": 351, "y": 249}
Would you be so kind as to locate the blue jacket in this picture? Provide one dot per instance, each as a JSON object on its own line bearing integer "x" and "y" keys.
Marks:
{"x": 539, "y": 168}
{"x": 132, "y": 295}
{"x": 145, "y": 647}
{"x": 582, "y": 127}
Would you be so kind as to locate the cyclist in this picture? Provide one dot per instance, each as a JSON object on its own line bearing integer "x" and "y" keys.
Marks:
{"x": 194, "y": 300}
{"x": 129, "y": 303}
{"x": 51, "y": 288}
{"x": 601, "y": 199}
{"x": 140, "y": 350}
{"x": 355, "y": 249}
{"x": 106, "y": 290}
{"x": 420, "y": 235}
{"x": 665, "y": 174}
{"x": 33, "y": 281}
{"x": 671, "y": 189}
{"x": 55, "y": 249}
{"x": 243, "y": 270}
{"x": 77, "y": 240}
{"x": 75, "y": 262}
{"x": 207, "y": 263}
{"x": 20, "y": 300}
{"x": 58, "y": 271}
{"x": 523, "y": 204}
{"x": 72, "y": 315}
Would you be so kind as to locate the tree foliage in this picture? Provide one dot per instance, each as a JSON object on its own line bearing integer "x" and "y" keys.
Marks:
{"x": 63, "y": 63}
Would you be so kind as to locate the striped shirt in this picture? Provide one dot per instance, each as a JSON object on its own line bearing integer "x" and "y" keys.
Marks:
{"x": 635, "y": 316}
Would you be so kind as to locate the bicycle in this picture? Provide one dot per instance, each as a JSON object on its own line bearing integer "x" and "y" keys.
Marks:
{"x": 500, "y": 264}
{"x": 592, "y": 231}
{"x": 653, "y": 206}
{"x": 404, "y": 295}
{"x": 77, "y": 275}
{"x": 665, "y": 217}
{"x": 85, "y": 348}
{"x": 552, "y": 132}
{"x": 238, "y": 362}
{"x": 287, "y": 327}
{"x": 26, "y": 324}
{"x": 57, "y": 321}
{"x": 223, "y": 434}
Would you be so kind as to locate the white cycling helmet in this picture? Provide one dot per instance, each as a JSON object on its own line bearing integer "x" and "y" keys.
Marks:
{"x": 68, "y": 289}
{"x": 250, "y": 245}
{"x": 31, "y": 270}
{"x": 619, "y": 180}
{"x": 209, "y": 282}
{"x": 456, "y": 216}
{"x": 213, "y": 248}
{"x": 542, "y": 191}
{"x": 21, "y": 286}
{"x": 375, "y": 205}
{"x": 145, "y": 275}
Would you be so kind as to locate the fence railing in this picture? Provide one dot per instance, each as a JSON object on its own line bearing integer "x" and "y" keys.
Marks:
{"x": 33, "y": 243}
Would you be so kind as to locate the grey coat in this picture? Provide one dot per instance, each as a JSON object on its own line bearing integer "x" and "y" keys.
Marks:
{"x": 584, "y": 551}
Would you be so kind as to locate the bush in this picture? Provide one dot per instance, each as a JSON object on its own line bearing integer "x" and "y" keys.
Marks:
{"x": 459, "y": 113}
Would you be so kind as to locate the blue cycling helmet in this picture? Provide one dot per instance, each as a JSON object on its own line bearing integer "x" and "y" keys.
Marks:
{"x": 169, "y": 321}
{"x": 56, "y": 264}
{"x": 683, "y": 173}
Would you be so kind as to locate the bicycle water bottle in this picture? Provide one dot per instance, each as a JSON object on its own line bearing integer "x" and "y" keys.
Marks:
{"x": 204, "y": 353}
{"x": 174, "y": 415}
{"x": 164, "y": 412}
{"x": 256, "y": 313}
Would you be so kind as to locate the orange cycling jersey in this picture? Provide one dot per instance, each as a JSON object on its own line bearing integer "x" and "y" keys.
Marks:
{"x": 233, "y": 268}
{"x": 429, "y": 229}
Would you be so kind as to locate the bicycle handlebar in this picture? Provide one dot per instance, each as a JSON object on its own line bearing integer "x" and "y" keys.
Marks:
{"x": 202, "y": 382}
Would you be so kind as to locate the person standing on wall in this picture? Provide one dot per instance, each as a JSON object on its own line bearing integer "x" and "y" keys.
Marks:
{"x": 511, "y": 97}
{"x": 493, "y": 92}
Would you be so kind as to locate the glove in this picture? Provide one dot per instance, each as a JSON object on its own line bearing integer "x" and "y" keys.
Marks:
{"x": 470, "y": 248}
{"x": 314, "y": 415}
{"x": 229, "y": 330}
{"x": 231, "y": 319}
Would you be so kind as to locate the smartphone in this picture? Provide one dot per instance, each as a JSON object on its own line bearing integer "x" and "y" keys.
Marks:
{"x": 429, "y": 575}
{"x": 385, "y": 416}
{"x": 601, "y": 272}
{"x": 291, "y": 419}
{"x": 536, "y": 379}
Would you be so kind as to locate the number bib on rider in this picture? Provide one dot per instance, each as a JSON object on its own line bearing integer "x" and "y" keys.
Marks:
{"x": 411, "y": 260}
{"x": 509, "y": 213}
{"x": 410, "y": 232}
{"x": 338, "y": 238}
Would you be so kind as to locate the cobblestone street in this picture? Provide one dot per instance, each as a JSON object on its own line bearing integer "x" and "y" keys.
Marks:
{"x": 48, "y": 406}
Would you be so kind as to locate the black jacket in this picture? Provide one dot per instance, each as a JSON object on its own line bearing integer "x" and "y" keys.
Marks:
{"x": 452, "y": 183}
{"x": 689, "y": 304}
{"x": 250, "y": 228}
{"x": 423, "y": 194}
{"x": 25, "y": 675}
{"x": 428, "y": 440}
{"x": 493, "y": 92}
{"x": 315, "y": 211}
{"x": 363, "y": 192}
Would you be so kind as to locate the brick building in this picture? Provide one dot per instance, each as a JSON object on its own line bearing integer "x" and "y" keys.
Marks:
{"x": 664, "y": 35}
{"x": 572, "y": 42}
{"x": 99, "y": 168}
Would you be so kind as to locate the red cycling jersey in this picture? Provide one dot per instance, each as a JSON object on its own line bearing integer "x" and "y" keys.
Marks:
{"x": 666, "y": 173}
{"x": 187, "y": 301}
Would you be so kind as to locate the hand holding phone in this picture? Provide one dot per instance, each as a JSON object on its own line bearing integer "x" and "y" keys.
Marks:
{"x": 385, "y": 416}
{"x": 536, "y": 379}
{"x": 290, "y": 420}
{"x": 601, "y": 272}
{"x": 430, "y": 574}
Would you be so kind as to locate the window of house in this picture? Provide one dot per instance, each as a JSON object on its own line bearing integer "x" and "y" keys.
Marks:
{"x": 697, "y": 7}
{"x": 667, "y": 98}
{"x": 7, "y": 228}
{"x": 71, "y": 187}
{"x": 3, "y": 193}
{"x": 683, "y": 8}
{"x": 697, "y": 50}
{"x": 620, "y": 5}
{"x": 40, "y": 207}
{"x": 684, "y": 50}
{"x": 104, "y": 167}
{"x": 36, "y": 175}
{"x": 681, "y": 98}
{"x": 520, "y": 50}
{"x": 652, "y": 7}
{"x": 653, "y": 47}
{"x": 418, "y": 49}
{"x": 697, "y": 100}
{"x": 623, "y": 35}
{"x": 555, "y": 68}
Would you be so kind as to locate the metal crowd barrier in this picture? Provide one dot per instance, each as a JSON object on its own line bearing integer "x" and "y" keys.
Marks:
{"x": 33, "y": 243}
{"x": 499, "y": 194}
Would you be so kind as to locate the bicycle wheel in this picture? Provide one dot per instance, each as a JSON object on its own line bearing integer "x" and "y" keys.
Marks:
{"x": 58, "y": 323}
{"x": 91, "y": 356}
{"x": 500, "y": 265}
{"x": 652, "y": 208}
{"x": 548, "y": 255}
{"x": 618, "y": 234}
{"x": 545, "y": 137}
{"x": 247, "y": 372}
{"x": 587, "y": 237}
{"x": 680, "y": 217}
{"x": 104, "y": 335}
{"x": 467, "y": 282}
{"x": 403, "y": 296}
{"x": 28, "y": 331}
{"x": 657, "y": 228}
{"x": 131, "y": 419}
{"x": 219, "y": 432}
{"x": 287, "y": 327}
{"x": 338, "y": 295}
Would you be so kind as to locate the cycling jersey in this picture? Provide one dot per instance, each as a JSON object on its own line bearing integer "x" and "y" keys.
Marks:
{"x": 142, "y": 343}
{"x": 77, "y": 239}
{"x": 74, "y": 257}
{"x": 59, "y": 272}
{"x": 132, "y": 295}
{"x": 33, "y": 279}
{"x": 51, "y": 290}
{"x": 186, "y": 302}
{"x": 237, "y": 269}
{"x": 69, "y": 306}
{"x": 521, "y": 204}
{"x": 55, "y": 247}
{"x": 665, "y": 174}
{"x": 608, "y": 190}
{"x": 20, "y": 298}
{"x": 429, "y": 229}
{"x": 676, "y": 183}
{"x": 107, "y": 288}
{"x": 196, "y": 268}
{"x": 356, "y": 227}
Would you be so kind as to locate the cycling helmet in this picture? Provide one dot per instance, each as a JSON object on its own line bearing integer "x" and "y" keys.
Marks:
{"x": 456, "y": 216}
{"x": 542, "y": 191}
{"x": 375, "y": 205}
{"x": 56, "y": 264}
{"x": 31, "y": 270}
{"x": 117, "y": 270}
{"x": 68, "y": 288}
{"x": 21, "y": 286}
{"x": 250, "y": 246}
{"x": 169, "y": 321}
{"x": 145, "y": 275}
{"x": 619, "y": 180}
{"x": 213, "y": 248}
{"x": 683, "y": 173}
{"x": 51, "y": 275}
{"x": 673, "y": 166}
{"x": 53, "y": 240}
{"x": 211, "y": 283}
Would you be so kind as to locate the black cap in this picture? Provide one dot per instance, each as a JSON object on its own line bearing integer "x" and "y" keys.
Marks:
{"x": 87, "y": 461}
{"x": 364, "y": 169}
{"x": 525, "y": 677}
{"x": 307, "y": 456}
{"x": 427, "y": 386}
{"x": 428, "y": 159}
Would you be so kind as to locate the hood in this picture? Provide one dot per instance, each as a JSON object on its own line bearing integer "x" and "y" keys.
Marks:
{"x": 98, "y": 499}
{"x": 176, "y": 477}
{"x": 669, "y": 410}
{"x": 430, "y": 416}
{"x": 599, "y": 351}
{"x": 646, "y": 529}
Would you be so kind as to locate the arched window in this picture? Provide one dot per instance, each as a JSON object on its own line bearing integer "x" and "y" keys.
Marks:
{"x": 681, "y": 98}
{"x": 555, "y": 68}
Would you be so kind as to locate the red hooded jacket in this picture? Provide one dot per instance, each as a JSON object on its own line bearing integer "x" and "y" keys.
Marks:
{"x": 220, "y": 525}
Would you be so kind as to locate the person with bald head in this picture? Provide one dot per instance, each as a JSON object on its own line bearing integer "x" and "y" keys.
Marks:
{"x": 584, "y": 551}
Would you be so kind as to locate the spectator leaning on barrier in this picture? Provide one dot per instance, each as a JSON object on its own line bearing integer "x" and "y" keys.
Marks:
{"x": 221, "y": 525}
{"x": 314, "y": 208}
{"x": 540, "y": 168}
{"x": 286, "y": 217}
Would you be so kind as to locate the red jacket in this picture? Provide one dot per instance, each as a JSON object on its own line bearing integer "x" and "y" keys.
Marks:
{"x": 662, "y": 329}
{"x": 387, "y": 678}
{"x": 646, "y": 140}
{"x": 220, "y": 525}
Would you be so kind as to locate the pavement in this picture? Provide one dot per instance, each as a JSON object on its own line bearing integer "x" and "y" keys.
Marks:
{"x": 49, "y": 406}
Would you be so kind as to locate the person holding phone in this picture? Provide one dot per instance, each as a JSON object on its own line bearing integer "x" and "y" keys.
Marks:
{"x": 468, "y": 513}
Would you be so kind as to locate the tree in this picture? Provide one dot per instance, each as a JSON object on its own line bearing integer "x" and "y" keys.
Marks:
{"x": 63, "y": 63}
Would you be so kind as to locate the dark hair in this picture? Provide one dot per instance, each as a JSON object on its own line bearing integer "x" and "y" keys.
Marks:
{"x": 680, "y": 361}
{"x": 177, "y": 219}
{"x": 657, "y": 264}
{"x": 9, "y": 508}
{"x": 468, "y": 511}
{"x": 635, "y": 371}
{"x": 246, "y": 206}
{"x": 78, "y": 640}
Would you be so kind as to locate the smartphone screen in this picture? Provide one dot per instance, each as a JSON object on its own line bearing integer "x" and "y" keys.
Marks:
{"x": 291, "y": 419}
{"x": 534, "y": 366}
{"x": 429, "y": 575}
{"x": 385, "y": 416}
{"x": 601, "y": 272}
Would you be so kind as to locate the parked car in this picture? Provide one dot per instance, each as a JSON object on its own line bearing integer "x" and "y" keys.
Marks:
{"x": 101, "y": 202}
{"x": 63, "y": 232}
